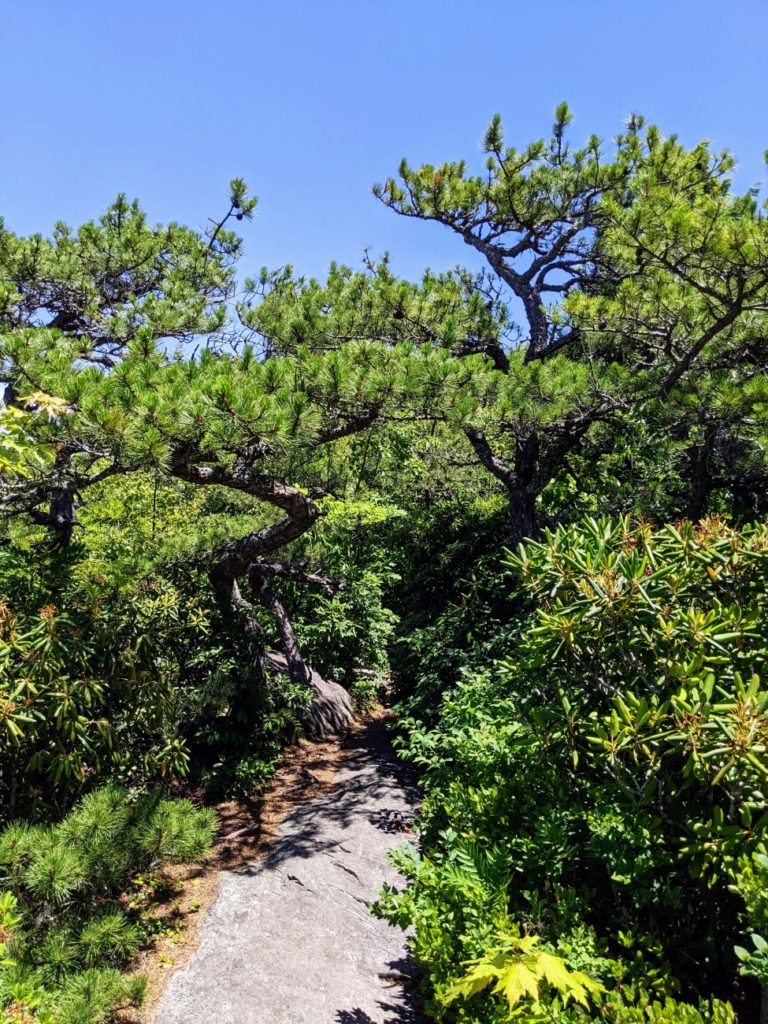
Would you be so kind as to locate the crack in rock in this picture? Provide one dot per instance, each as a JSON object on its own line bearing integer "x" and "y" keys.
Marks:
{"x": 348, "y": 870}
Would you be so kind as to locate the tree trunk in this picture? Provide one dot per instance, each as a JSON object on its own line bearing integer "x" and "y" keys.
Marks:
{"x": 521, "y": 482}
{"x": 298, "y": 671}
{"x": 331, "y": 709}
{"x": 522, "y": 515}
{"x": 60, "y": 519}
{"x": 234, "y": 607}
{"x": 700, "y": 476}
{"x": 62, "y": 516}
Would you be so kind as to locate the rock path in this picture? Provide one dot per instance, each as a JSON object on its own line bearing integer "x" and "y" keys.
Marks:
{"x": 290, "y": 939}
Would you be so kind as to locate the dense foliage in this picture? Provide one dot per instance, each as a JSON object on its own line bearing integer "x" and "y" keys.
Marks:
{"x": 602, "y": 786}
{"x": 207, "y": 487}
{"x": 67, "y": 932}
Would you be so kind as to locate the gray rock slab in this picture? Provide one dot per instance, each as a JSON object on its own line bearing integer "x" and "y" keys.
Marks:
{"x": 290, "y": 940}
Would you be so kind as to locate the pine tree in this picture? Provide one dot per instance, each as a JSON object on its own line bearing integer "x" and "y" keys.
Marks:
{"x": 642, "y": 281}
{"x": 69, "y": 932}
{"x": 109, "y": 397}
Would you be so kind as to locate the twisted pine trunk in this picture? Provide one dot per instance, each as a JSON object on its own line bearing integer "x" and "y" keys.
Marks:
{"x": 298, "y": 670}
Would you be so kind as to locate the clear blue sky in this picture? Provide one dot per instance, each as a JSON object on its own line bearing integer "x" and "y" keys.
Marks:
{"x": 313, "y": 100}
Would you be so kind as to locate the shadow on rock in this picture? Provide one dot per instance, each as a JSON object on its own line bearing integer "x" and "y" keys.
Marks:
{"x": 395, "y": 1015}
{"x": 392, "y": 820}
{"x": 404, "y": 975}
{"x": 368, "y": 775}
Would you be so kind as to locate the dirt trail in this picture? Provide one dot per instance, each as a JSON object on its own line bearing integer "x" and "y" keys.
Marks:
{"x": 289, "y": 939}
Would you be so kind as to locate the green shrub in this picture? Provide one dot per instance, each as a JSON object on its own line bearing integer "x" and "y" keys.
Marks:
{"x": 68, "y": 931}
{"x": 605, "y": 778}
{"x": 350, "y": 630}
{"x": 88, "y": 684}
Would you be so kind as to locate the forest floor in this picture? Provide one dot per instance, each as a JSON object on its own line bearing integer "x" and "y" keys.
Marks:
{"x": 274, "y": 928}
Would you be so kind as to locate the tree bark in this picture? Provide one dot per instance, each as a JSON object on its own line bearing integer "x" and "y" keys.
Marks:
{"x": 60, "y": 519}
{"x": 330, "y": 711}
{"x": 522, "y": 516}
{"x": 700, "y": 475}
{"x": 235, "y": 557}
{"x": 298, "y": 671}
{"x": 520, "y": 481}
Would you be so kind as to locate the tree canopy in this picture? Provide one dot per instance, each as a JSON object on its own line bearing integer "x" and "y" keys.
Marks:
{"x": 524, "y": 503}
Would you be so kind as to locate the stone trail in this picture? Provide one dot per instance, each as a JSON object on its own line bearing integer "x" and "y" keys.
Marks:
{"x": 290, "y": 939}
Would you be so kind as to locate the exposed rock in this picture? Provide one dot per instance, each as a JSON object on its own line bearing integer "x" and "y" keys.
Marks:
{"x": 290, "y": 939}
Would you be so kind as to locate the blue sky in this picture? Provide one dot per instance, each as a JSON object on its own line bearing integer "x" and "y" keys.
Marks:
{"x": 313, "y": 100}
